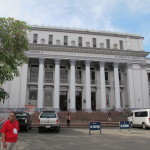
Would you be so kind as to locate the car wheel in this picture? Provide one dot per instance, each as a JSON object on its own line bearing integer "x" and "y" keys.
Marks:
{"x": 27, "y": 128}
{"x": 143, "y": 125}
{"x": 40, "y": 130}
{"x": 131, "y": 125}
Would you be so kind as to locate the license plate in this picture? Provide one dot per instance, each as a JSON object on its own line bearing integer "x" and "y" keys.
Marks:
{"x": 48, "y": 126}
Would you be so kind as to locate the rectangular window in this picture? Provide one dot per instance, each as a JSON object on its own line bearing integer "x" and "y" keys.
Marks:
{"x": 35, "y": 38}
{"x": 94, "y": 42}
{"x": 34, "y": 71}
{"x": 63, "y": 76}
{"x": 33, "y": 94}
{"x": 121, "y": 44}
{"x": 65, "y": 40}
{"x": 79, "y": 41}
{"x": 48, "y": 98}
{"x": 50, "y": 39}
{"x": 108, "y": 43}
{"x": 48, "y": 75}
{"x": 141, "y": 114}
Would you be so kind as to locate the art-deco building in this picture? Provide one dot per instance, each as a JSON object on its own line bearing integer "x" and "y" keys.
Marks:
{"x": 74, "y": 69}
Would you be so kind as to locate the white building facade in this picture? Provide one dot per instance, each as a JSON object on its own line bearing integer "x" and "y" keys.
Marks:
{"x": 77, "y": 70}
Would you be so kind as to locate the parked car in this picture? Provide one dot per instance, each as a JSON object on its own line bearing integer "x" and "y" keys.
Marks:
{"x": 140, "y": 118}
{"x": 24, "y": 120}
{"x": 48, "y": 120}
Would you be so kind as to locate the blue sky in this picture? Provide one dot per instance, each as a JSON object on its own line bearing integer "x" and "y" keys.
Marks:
{"x": 131, "y": 16}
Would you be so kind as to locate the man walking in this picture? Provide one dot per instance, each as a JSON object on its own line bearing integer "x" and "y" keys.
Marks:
{"x": 10, "y": 133}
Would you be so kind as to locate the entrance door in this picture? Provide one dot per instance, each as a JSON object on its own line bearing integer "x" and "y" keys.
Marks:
{"x": 93, "y": 100}
{"x": 63, "y": 101}
{"x": 78, "y": 100}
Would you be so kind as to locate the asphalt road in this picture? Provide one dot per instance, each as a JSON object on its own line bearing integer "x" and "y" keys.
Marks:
{"x": 79, "y": 139}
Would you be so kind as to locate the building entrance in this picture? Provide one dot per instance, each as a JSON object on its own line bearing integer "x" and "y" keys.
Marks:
{"x": 63, "y": 101}
{"x": 78, "y": 100}
{"x": 93, "y": 100}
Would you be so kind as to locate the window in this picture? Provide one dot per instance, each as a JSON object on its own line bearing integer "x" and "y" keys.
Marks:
{"x": 141, "y": 114}
{"x": 42, "y": 41}
{"x": 32, "y": 94}
{"x": 78, "y": 75}
{"x": 48, "y": 75}
{"x": 65, "y": 40}
{"x": 34, "y": 73}
{"x": 63, "y": 74}
{"x": 50, "y": 39}
{"x": 47, "y": 98}
{"x": 121, "y": 44}
{"x": 101, "y": 45}
{"x": 94, "y": 42}
{"x": 106, "y": 74}
{"x": 92, "y": 73}
{"x": 35, "y": 38}
{"x": 79, "y": 41}
{"x": 108, "y": 43}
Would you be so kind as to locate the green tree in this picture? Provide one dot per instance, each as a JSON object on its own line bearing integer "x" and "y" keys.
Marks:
{"x": 13, "y": 44}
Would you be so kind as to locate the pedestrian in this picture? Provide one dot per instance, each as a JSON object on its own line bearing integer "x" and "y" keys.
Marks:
{"x": 109, "y": 117}
{"x": 9, "y": 132}
{"x": 68, "y": 119}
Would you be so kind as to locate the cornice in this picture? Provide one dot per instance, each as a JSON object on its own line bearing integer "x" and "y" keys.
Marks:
{"x": 72, "y": 49}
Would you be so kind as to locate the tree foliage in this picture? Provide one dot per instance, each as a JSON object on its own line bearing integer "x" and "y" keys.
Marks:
{"x": 13, "y": 44}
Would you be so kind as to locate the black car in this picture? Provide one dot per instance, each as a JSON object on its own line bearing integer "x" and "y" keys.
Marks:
{"x": 24, "y": 120}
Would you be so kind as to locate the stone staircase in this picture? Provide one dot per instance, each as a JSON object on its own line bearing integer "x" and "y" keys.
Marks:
{"x": 82, "y": 119}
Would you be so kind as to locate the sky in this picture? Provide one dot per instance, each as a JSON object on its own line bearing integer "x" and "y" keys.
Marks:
{"x": 127, "y": 16}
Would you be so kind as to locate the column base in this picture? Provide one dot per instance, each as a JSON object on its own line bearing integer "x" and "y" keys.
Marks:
{"x": 103, "y": 109}
{"x": 88, "y": 110}
{"x": 56, "y": 109}
{"x": 72, "y": 110}
{"x": 118, "y": 109}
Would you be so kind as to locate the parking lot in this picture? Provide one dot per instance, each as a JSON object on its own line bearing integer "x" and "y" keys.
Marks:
{"x": 79, "y": 139}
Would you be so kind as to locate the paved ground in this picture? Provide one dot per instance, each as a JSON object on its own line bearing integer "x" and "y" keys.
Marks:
{"x": 79, "y": 139}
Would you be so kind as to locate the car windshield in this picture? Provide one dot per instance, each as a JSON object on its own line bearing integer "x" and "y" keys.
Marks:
{"x": 21, "y": 115}
{"x": 48, "y": 115}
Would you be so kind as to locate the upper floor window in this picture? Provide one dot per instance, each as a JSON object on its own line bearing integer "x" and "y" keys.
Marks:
{"x": 57, "y": 42}
{"x": 42, "y": 41}
{"x": 79, "y": 41}
{"x": 94, "y": 42}
{"x": 35, "y": 38}
{"x": 73, "y": 43}
{"x": 121, "y": 44}
{"x": 101, "y": 45}
{"x": 108, "y": 43}
{"x": 50, "y": 39}
{"x": 65, "y": 40}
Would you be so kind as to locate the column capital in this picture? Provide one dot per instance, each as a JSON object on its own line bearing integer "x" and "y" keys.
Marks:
{"x": 41, "y": 60}
{"x": 87, "y": 62}
{"x": 57, "y": 61}
{"x": 102, "y": 63}
{"x": 129, "y": 65}
{"x": 72, "y": 62}
{"x": 116, "y": 64}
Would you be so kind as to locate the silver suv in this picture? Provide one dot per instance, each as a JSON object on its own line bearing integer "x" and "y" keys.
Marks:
{"x": 48, "y": 120}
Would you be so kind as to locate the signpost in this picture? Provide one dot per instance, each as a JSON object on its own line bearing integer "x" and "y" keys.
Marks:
{"x": 94, "y": 126}
{"x": 124, "y": 125}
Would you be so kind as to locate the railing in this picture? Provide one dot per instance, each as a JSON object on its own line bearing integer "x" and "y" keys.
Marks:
{"x": 47, "y": 80}
{"x": 33, "y": 80}
{"x": 79, "y": 81}
{"x": 63, "y": 81}
{"x": 107, "y": 82}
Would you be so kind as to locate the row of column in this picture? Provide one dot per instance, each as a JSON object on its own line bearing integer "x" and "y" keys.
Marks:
{"x": 72, "y": 85}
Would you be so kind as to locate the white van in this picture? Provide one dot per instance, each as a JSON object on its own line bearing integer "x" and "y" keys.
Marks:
{"x": 140, "y": 118}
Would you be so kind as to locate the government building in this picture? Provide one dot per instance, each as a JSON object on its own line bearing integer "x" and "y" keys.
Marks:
{"x": 82, "y": 70}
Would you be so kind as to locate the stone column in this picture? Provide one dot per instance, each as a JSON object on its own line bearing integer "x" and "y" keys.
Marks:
{"x": 88, "y": 85}
{"x": 130, "y": 86}
{"x": 117, "y": 87}
{"x": 40, "y": 100}
{"x": 56, "y": 85}
{"x": 102, "y": 86}
{"x": 72, "y": 86}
